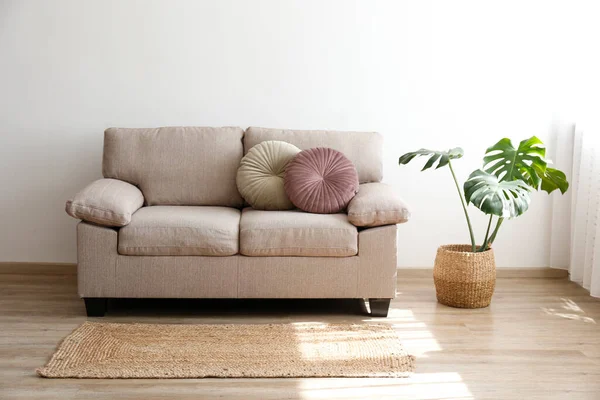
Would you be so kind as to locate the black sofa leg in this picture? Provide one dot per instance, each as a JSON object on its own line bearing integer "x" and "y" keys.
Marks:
{"x": 95, "y": 306}
{"x": 379, "y": 307}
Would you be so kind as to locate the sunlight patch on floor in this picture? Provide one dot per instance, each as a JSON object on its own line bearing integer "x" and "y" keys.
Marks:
{"x": 315, "y": 342}
{"x": 570, "y": 305}
{"x": 414, "y": 334}
{"x": 573, "y": 311}
{"x": 443, "y": 385}
{"x": 417, "y": 339}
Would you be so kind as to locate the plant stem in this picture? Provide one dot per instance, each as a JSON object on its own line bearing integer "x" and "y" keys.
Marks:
{"x": 487, "y": 235}
{"x": 462, "y": 201}
{"x": 493, "y": 237}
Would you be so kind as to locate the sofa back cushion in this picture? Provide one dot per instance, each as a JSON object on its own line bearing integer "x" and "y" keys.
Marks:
{"x": 177, "y": 165}
{"x": 364, "y": 149}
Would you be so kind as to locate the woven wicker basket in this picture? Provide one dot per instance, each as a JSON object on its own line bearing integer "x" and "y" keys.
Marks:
{"x": 462, "y": 278}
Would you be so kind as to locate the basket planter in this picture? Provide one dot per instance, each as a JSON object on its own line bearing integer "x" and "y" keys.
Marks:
{"x": 462, "y": 278}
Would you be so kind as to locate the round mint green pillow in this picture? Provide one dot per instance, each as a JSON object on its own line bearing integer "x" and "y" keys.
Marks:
{"x": 260, "y": 177}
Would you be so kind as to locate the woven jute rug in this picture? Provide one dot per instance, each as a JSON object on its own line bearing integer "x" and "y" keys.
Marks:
{"x": 107, "y": 350}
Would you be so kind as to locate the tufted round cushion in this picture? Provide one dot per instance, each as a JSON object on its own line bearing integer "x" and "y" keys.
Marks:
{"x": 321, "y": 180}
{"x": 260, "y": 175}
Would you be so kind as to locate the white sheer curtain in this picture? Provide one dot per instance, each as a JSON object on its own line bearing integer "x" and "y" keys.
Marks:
{"x": 576, "y": 221}
{"x": 584, "y": 265}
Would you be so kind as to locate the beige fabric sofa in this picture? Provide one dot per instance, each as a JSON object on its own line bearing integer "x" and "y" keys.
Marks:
{"x": 168, "y": 222}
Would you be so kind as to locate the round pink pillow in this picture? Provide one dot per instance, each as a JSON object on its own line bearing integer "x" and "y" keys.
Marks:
{"x": 321, "y": 180}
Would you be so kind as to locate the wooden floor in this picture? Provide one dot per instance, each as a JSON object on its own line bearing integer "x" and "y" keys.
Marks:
{"x": 540, "y": 339}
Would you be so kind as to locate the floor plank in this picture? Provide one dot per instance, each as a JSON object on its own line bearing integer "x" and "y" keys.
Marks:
{"x": 540, "y": 339}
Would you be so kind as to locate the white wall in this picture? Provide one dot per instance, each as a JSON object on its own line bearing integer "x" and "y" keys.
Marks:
{"x": 425, "y": 74}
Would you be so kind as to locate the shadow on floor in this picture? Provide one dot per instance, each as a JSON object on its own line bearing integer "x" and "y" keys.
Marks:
{"x": 236, "y": 307}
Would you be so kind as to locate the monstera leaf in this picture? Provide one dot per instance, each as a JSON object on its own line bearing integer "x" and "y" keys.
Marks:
{"x": 506, "y": 199}
{"x": 527, "y": 163}
{"x": 444, "y": 157}
{"x": 524, "y": 162}
{"x": 553, "y": 179}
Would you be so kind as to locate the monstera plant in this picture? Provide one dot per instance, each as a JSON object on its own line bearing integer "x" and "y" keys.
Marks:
{"x": 501, "y": 188}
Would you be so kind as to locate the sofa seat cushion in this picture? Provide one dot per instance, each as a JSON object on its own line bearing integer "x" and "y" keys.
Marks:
{"x": 296, "y": 233}
{"x": 181, "y": 231}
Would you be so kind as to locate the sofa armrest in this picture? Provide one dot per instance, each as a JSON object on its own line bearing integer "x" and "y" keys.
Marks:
{"x": 108, "y": 202}
{"x": 377, "y": 204}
